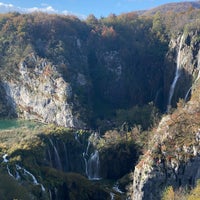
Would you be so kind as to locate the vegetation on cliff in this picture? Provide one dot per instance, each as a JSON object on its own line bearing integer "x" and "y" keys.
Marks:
{"x": 119, "y": 70}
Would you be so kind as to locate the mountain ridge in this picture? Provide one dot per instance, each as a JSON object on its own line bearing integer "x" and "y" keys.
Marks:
{"x": 173, "y": 7}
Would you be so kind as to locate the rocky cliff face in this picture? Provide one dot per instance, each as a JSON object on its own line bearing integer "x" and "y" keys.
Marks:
{"x": 84, "y": 75}
{"x": 169, "y": 163}
{"x": 39, "y": 92}
{"x": 189, "y": 60}
{"x": 173, "y": 156}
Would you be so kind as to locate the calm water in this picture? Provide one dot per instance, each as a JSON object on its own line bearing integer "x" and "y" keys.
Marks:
{"x": 13, "y": 123}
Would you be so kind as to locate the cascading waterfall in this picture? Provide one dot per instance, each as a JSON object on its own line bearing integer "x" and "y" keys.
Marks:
{"x": 76, "y": 136}
{"x": 61, "y": 154}
{"x": 177, "y": 74}
{"x": 187, "y": 94}
{"x": 94, "y": 166}
{"x": 85, "y": 157}
{"x": 56, "y": 154}
{"x": 92, "y": 162}
{"x": 27, "y": 173}
{"x": 5, "y": 160}
{"x": 9, "y": 172}
{"x": 112, "y": 196}
{"x": 19, "y": 169}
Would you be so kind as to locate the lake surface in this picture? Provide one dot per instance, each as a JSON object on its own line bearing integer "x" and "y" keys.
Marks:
{"x": 6, "y": 124}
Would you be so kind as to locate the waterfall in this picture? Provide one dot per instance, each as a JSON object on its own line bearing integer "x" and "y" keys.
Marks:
{"x": 9, "y": 172}
{"x": 116, "y": 188}
{"x": 112, "y": 196}
{"x": 177, "y": 74}
{"x": 76, "y": 136}
{"x": 94, "y": 166}
{"x": 85, "y": 156}
{"x": 92, "y": 163}
{"x": 17, "y": 176}
{"x": 5, "y": 160}
{"x": 187, "y": 94}
{"x": 27, "y": 173}
{"x": 50, "y": 195}
{"x": 57, "y": 157}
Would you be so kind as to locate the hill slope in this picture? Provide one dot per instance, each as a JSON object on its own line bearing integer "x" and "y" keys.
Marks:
{"x": 174, "y": 7}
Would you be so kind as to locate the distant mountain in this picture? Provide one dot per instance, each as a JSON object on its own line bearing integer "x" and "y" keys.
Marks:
{"x": 174, "y": 7}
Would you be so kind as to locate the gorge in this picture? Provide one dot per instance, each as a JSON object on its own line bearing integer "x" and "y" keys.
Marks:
{"x": 100, "y": 108}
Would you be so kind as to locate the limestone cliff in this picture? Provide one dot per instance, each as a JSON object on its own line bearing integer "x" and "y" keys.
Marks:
{"x": 173, "y": 154}
{"x": 59, "y": 69}
{"x": 188, "y": 54}
{"x": 39, "y": 92}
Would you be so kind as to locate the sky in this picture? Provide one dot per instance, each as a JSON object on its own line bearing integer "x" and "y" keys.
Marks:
{"x": 81, "y": 8}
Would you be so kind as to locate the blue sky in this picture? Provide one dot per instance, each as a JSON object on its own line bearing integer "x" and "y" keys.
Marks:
{"x": 82, "y": 8}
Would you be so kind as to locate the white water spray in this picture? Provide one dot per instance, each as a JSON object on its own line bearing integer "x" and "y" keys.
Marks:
{"x": 112, "y": 196}
{"x": 116, "y": 188}
{"x": 177, "y": 74}
{"x": 9, "y": 172}
{"x": 5, "y": 160}
{"x": 85, "y": 156}
{"x": 19, "y": 168}
{"x": 27, "y": 173}
{"x": 187, "y": 94}
{"x": 92, "y": 163}
{"x": 94, "y": 166}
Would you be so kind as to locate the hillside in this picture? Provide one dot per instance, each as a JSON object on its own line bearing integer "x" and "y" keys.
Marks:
{"x": 174, "y": 7}
{"x": 100, "y": 108}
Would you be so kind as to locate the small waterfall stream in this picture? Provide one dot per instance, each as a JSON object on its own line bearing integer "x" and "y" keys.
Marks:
{"x": 94, "y": 166}
{"x": 27, "y": 173}
{"x": 177, "y": 74}
{"x": 116, "y": 188}
{"x": 57, "y": 160}
{"x": 187, "y": 94}
{"x": 112, "y": 196}
{"x": 85, "y": 157}
{"x": 23, "y": 171}
{"x": 5, "y": 160}
{"x": 92, "y": 162}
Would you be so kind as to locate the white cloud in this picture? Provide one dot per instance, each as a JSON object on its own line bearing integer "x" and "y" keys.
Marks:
{"x": 48, "y": 9}
{"x": 45, "y": 8}
{"x": 66, "y": 12}
{"x": 7, "y": 7}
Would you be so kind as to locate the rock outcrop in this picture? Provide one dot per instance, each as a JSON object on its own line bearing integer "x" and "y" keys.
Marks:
{"x": 39, "y": 92}
{"x": 189, "y": 57}
{"x": 173, "y": 156}
{"x": 170, "y": 162}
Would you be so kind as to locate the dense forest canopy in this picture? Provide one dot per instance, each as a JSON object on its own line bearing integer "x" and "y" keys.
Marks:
{"x": 117, "y": 51}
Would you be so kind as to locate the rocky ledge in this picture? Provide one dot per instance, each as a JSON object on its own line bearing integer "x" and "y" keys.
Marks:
{"x": 40, "y": 93}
